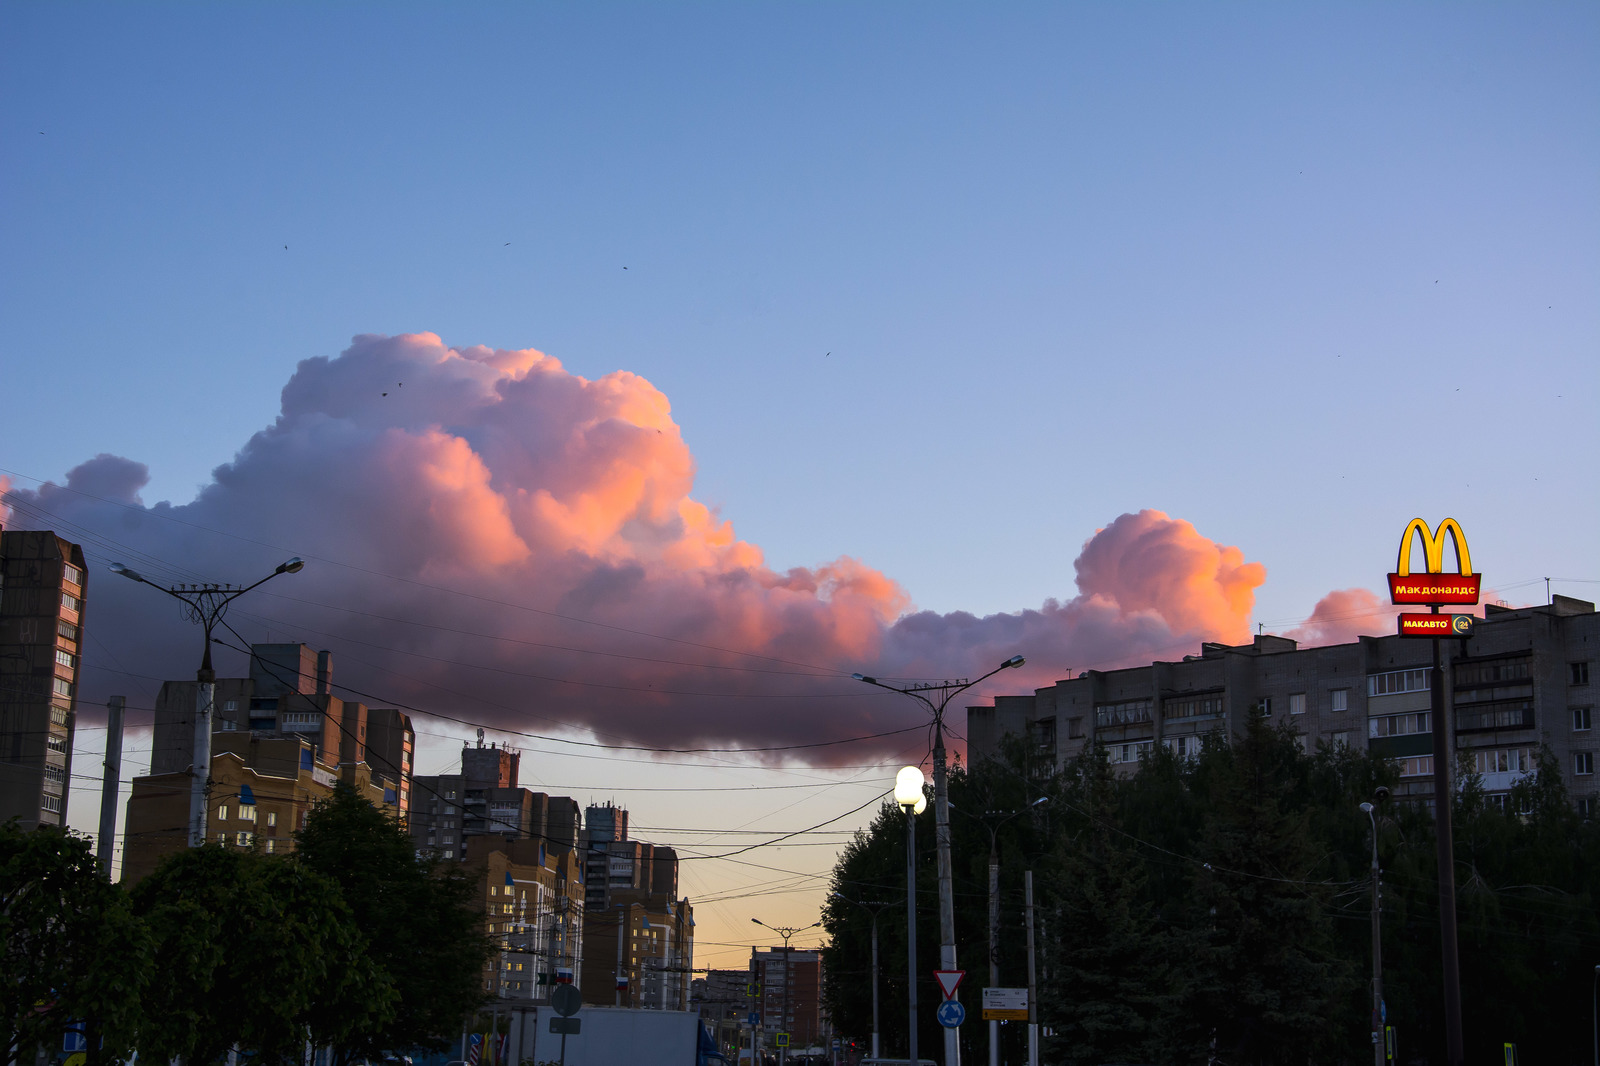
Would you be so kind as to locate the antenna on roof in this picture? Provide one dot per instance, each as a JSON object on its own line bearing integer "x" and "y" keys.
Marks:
{"x": 480, "y": 736}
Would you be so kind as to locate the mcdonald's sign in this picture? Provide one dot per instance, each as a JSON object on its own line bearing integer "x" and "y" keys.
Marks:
{"x": 1433, "y": 586}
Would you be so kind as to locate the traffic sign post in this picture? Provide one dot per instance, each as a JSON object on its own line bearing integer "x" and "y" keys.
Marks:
{"x": 951, "y": 1013}
{"x": 566, "y": 1001}
{"x": 1005, "y": 1004}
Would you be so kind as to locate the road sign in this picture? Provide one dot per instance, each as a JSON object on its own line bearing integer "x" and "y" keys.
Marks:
{"x": 566, "y": 1000}
{"x": 755, "y": 1019}
{"x": 1005, "y": 1004}
{"x": 951, "y": 1013}
{"x": 566, "y": 1026}
{"x": 1436, "y": 625}
{"x": 782, "y": 1040}
{"x": 74, "y": 1040}
{"x": 949, "y": 980}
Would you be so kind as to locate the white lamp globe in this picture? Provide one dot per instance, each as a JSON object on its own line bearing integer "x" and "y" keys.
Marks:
{"x": 908, "y": 789}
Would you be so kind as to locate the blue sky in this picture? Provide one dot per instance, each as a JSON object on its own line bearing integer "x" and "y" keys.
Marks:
{"x": 942, "y": 287}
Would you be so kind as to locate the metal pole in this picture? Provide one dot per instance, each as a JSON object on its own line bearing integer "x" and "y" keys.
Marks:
{"x": 911, "y": 928}
{"x": 947, "y": 916}
{"x": 109, "y": 783}
{"x": 875, "y": 984}
{"x": 1596, "y": 998}
{"x": 1378, "y": 1049}
{"x": 1033, "y": 991}
{"x": 200, "y": 769}
{"x": 1445, "y": 851}
{"x": 994, "y": 938}
{"x": 618, "y": 981}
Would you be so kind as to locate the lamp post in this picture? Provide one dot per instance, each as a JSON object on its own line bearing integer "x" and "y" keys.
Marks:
{"x": 1377, "y": 948}
{"x": 994, "y": 913}
{"x": 872, "y": 907}
{"x": 204, "y": 604}
{"x": 937, "y": 695}
{"x": 785, "y": 931}
{"x": 909, "y": 797}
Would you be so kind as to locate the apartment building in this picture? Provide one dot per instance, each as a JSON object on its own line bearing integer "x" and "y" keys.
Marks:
{"x": 484, "y": 799}
{"x": 790, "y": 999}
{"x": 532, "y": 899}
{"x": 43, "y": 588}
{"x": 1522, "y": 679}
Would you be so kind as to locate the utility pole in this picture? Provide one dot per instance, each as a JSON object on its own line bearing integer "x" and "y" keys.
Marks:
{"x": 787, "y": 932}
{"x": 205, "y": 605}
{"x": 994, "y": 913}
{"x": 1378, "y": 1049}
{"x": 872, "y": 907}
{"x": 1033, "y": 984}
{"x": 109, "y": 783}
{"x": 937, "y": 695}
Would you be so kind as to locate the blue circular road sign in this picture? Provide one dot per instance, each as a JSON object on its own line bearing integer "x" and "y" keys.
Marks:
{"x": 951, "y": 1014}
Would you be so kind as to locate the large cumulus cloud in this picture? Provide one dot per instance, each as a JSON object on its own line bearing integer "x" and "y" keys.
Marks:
{"x": 494, "y": 537}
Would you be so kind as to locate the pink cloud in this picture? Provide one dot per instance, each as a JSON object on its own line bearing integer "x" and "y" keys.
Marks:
{"x": 493, "y": 537}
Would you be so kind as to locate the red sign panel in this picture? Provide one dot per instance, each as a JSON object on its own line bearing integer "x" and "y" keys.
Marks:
{"x": 1434, "y": 588}
{"x": 1436, "y": 625}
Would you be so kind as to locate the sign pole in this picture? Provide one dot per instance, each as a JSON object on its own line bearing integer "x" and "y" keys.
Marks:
{"x": 1445, "y": 845}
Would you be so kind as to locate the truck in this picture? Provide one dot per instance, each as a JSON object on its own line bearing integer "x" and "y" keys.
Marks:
{"x": 614, "y": 1036}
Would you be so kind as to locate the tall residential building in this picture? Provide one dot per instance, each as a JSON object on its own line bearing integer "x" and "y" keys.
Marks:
{"x": 790, "y": 983}
{"x": 485, "y": 800}
{"x": 532, "y": 899}
{"x": 640, "y": 935}
{"x": 1523, "y": 679}
{"x": 42, "y": 592}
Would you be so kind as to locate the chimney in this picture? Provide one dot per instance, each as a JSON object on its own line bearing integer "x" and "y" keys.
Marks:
{"x": 324, "y": 672}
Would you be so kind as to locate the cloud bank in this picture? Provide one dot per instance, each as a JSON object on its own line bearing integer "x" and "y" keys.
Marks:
{"x": 490, "y": 536}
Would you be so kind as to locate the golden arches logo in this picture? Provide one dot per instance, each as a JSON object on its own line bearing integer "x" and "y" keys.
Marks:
{"x": 1433, "y": 547}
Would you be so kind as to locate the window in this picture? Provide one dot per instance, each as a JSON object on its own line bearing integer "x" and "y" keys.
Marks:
{"x": 1131, "y": 752}
{"x": 228, "y": 725}
{"x": 71, "y": 573}
{"x": 1582, "y": 719}
{"x": 1186, "y": 747}
{"x": 63, "y": 687}
{"x": 1503, "y": 760}
{"x": 1396, "y": 681}
{"x": 272, "y": 846}
{"x": 1074, "y": 728}
{"x": 1519, "y": 668}
{"x": 1265, "y": 706}
{"x": 70, "y": 602}
{"x": 1192, "y": 707}
{"x": 1586, "y": 807}
{"x": 1582, "y": 763}
{"x": 1416, "y": 766}
{"x": 56, "y": 743}
{"x": 1398, "y": 725}
{"x": 222, "y": 813}
{"x": 66, "y": 629}
{"x": 1500, "y": 714}
{"x": 64, "y": 658}
{"x": 222, "y": 838}
{"x": 1579, "y": 673}
{"x": 1125, "y": 713}
{"x": 1297, "y": 703}
{"x": 1339, "y": 699}
{"x": 449, "y": 854}
{"x": 50, "y": 803}
{"x": 1341, "y": 739}
{"x": 272, "y": 818}
{"x": 247, "y": 812}
{"x": 54, "y": 775}
{"x": 58, "y": 715}
{"x": 242, "y": 839}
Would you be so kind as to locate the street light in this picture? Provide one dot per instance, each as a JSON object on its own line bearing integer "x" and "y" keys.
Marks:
{"x": 1377, "y": 947}
{"x": 872, "y": 907}
{"x": 204, "y": 604}
{"x": 937, "y": 695}
{"x": 909, "y": 797}
{"x": 785, "y": 931}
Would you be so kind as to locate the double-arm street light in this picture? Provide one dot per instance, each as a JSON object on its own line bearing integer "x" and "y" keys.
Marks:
{"x": 872, "y": 907}
{"x": 204, "y": 604}
{"x": 937, "y": 695}
{"x": 787, "y": 932}
{"x": 992, "y": 821}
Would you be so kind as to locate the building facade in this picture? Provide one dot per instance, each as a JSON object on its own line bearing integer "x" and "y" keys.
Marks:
{"x": 449, "y": 810}
{"x": 43, "y": 587}
{"x": 1522, "y": 680}
{"x": 280, "y": 742}
{"x": 532, "y": 898}
{"x": 789, "y": 981}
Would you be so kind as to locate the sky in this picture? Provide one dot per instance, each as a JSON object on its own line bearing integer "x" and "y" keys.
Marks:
{"x": 633, "y": 374}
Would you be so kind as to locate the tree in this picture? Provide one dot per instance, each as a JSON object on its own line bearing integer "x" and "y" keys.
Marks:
{"x": 73, "y": 951}
{"x": 422, "y": 930}
{"x": 256, "y": 952}
{"x": 1113, "y": 987}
